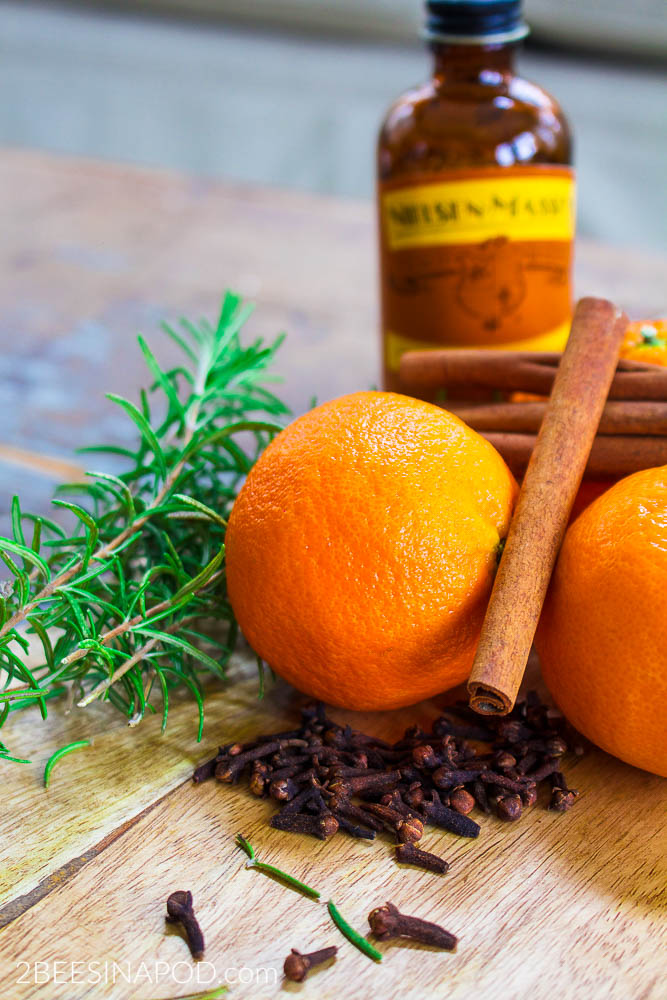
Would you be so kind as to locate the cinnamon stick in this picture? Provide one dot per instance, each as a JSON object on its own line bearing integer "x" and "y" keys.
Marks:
{"x": 646, "y": 417}
{"x": 549, "y": 488}
{"x": 610, "y": 457}
{"x": 516, "y": 371}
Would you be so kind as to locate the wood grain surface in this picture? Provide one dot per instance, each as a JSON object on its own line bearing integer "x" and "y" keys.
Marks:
{"x": 566, "y": 906}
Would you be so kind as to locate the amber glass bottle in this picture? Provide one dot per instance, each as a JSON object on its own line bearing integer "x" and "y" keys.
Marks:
{"x": 475, "y": 196}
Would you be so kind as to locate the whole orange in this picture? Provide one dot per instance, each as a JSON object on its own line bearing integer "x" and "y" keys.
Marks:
{"x": 362, "y": 548}
{"x": 602, "y": 638}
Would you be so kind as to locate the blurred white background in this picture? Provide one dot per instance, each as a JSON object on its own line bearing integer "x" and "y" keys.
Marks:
{"x": 291, "y": 92}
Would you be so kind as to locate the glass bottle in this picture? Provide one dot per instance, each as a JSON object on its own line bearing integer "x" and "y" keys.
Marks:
{"x": 475, "y": 196}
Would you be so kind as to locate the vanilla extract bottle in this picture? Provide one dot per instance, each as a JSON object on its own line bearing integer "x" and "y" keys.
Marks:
{"x": 476, "y": 196}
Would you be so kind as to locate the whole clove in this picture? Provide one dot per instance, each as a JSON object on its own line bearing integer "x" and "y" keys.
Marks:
{"x": 446, "y": 778}
{"x": 529, "y": 795}
{"x": 503, "y": 759}
{"x": 368, "y": 783}
{"x": 410, "y": 830}
{"x": 502, "y": 781}
{"x": 362, "y": 832}
{"x": 462, "y": 801}
{"x": 283, "y": 789}
{"x": 449, "y": 819}
{"x": 319, "y": 826}
{"x": 410, "y": 854}
{"x": 562, "y": 799}
{"x": 509, "y": 807}
{"x": 387, "y": 922}
{"x": 550, "y": 765}
{"x": 180, "y": 911}
{"x": 480, "y": 796}
{"x": 297, "y": 966}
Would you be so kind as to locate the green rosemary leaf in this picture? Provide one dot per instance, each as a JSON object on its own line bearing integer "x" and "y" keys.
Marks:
{"x": 167, "y": 387}
{"x": 135, "y": 680}
{"x": 106, "y": 449}
{"x": 202, "y": 578}
{"x": 147, "y": 432}
{"x": 15, "y": 760}
{"x": 15, "y": 636}
{"x": 149, "y": 576}
{"x": 39, "y": 630}
{"x": 352, "y": 936}
{"x": 95, "y": 646}
{"x": 176, "y": 337}
{"x": 214, "y": 994}
{"x": 220, "y": 436}
{"x": 245, "y": 845}
{"x": 92, "y": 598}
{"x": 182, "y": 644}
{"x": 127, "y": 543}
{"x": 26, "y": 674}
{"x": 17, "y": 527}
{"x": 21, "y": 585}
{"x": 261, "y": 866}
{"x": 27, "y": 555}
{"x": 78, "y": 622}
{"x": 36, "y": 536}
{"x": 165, "y": 696}
{"x": 196, "y": 692}
{"x": 260, "y": 671}
{"x": 55, "y": 757}
{"x": 145, "y": 405}
{"x": 198, "y": 505}
{"x": 84, "y": 517}
{"x": 45, "y": 522}
{"x": 123, "y": 491}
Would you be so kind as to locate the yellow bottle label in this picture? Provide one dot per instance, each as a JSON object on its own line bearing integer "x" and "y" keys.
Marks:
{"x": 477, "y": 258}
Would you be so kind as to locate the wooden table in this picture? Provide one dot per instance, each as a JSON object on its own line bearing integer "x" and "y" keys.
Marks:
{"x": 566, "y": 906}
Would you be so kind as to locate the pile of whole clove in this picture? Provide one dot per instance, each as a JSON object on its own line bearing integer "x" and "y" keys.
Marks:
{"x": 327, "y": 777}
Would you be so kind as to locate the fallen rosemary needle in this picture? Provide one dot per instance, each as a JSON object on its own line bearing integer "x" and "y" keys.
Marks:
{"x": 55, "y": 757}
{"x": 352, "y": 936}
{"x": 214, "y": 994}
{"x": 116, "y": 597}
{"x": 289, "y": 880}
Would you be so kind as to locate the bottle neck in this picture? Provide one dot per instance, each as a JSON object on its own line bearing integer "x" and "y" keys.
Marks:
{"x": 469, "y": 62}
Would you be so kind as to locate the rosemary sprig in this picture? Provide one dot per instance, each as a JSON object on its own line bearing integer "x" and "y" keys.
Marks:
{"x": 116, "y": 603}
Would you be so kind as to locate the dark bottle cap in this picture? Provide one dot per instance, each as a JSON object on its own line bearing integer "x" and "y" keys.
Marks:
{"x": 474, "y": 22}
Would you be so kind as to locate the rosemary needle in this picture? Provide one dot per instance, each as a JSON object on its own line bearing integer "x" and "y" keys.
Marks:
{"x": 55, "y": 757}
{"x": 352, "y": 936}
{"x": 214, "y": 994}
{"x": 289, "y": 880}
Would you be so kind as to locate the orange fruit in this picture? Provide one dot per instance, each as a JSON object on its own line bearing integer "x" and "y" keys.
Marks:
{"x": 646, "y": 340}
{"x": 602, "y": 638}
{"x": 362, "y": 548}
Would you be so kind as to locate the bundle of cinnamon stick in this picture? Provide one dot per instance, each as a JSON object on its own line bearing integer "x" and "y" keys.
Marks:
{"x": 632, "y": 434}
{"x": 603, "y": 416}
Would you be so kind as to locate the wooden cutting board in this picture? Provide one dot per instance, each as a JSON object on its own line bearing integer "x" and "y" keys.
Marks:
{"x": 569, "y": 906}
{"x": 566, "y": 905}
